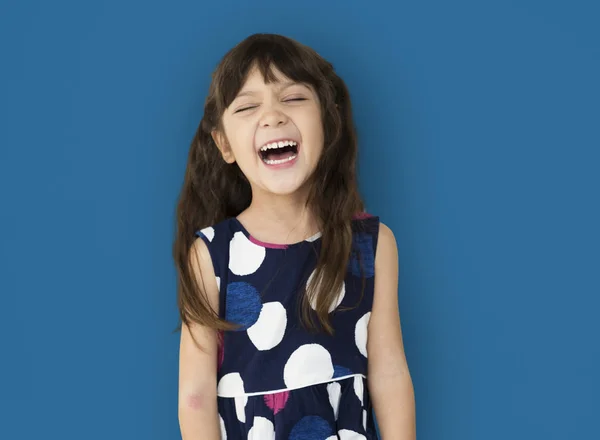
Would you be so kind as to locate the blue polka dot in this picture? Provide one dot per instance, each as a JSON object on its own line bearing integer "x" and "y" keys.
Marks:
{"x": 341, "y": 371}
{"x": 311, "y": 428}
{"x": 242, "y": 304}
{"x": 363, "y": 243}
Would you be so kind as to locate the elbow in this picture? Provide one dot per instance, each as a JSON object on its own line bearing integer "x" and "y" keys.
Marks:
{"x": 197, "y": 400}
{"x": 194, "y": 402}
{"x": 198, "y": 415}
{"x": 398, "y": 382}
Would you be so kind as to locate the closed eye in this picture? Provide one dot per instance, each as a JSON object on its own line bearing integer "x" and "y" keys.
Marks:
{"x": 243, "y": 109}
{"x": 250, "y": 107}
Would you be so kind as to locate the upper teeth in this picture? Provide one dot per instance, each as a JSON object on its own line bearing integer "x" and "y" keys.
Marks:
{"x": 279, "y": 144}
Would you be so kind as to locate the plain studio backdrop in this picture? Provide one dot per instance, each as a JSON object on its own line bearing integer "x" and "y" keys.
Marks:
{"x": 479, "y": 135}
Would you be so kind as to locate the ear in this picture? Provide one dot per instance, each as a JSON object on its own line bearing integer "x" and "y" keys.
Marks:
{"x": 223, "y": 146}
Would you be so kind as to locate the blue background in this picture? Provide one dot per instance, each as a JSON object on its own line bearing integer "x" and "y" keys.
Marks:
{"x": 479, "y": 128}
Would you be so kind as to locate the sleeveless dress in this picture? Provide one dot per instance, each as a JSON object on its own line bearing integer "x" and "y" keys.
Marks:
{"x": 277, "y": 380}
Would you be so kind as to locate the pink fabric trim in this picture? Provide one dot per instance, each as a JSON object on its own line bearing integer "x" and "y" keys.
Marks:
{"x": 267, "y": 245}
{"x": 361, "y": 215}
{"x": 220, "y": 349}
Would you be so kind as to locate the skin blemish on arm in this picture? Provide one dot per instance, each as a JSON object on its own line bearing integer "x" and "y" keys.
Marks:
{"x": 196, "y": 401}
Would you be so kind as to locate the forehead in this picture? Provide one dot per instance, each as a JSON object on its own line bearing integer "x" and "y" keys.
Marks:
{"x": 255, "y": 79}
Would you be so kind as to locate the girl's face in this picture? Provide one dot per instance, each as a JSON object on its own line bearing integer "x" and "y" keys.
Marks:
{"x": 274, "y": 132}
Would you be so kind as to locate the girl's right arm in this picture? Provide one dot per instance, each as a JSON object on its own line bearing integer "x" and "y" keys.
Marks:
{"x": 198, "y": 414}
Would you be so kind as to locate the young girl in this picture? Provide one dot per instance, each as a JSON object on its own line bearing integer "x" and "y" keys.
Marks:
{"x": 287, "y": 289}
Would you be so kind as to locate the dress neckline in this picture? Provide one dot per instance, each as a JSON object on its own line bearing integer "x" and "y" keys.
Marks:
{"x": 257, "y": 242}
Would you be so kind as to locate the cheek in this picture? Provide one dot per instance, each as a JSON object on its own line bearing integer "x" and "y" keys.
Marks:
{"x": 242, "y": 142}
{"x": 315, "y": 134}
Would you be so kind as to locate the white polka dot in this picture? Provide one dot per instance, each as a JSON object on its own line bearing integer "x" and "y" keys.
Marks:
{"x": 334, "y": 390}
{"x": 365, "y": 419}
{"x": 223, "y": 430}
{"x": 245, "y": 257}
{"x": 309, "y": 364}
{"x": 360, "y": 333}
{"x": 346, "y": 434}
{"x": 209, "y": 232}
{"x": 268, "y": 331}
{"x": 358, "y": 388}
{"x": 231, "y": 385}
{"x": 240, "y": 407}
{"x": 262, "y": 429}
{"x": 336, "y": 303}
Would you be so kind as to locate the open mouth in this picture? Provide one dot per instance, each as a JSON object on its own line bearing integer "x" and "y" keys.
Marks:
{"x": 275, "y": 153}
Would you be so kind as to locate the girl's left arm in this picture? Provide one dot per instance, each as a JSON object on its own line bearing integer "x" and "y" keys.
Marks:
{"x": 389, "y": 380}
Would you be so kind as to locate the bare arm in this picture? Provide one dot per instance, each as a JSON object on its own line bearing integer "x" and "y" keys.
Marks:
{"x": 198, "y": 415}
{"x": 389, "y": 379}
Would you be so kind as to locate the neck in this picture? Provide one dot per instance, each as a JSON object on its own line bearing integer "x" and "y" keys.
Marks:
{"x": 279, "y": 219}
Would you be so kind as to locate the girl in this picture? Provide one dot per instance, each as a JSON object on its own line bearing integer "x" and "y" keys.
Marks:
{"x": 287, "y": 289}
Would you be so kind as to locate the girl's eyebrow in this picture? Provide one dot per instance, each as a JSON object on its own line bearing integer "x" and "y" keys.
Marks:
{"x": 245, "y": 93}
{"x": 281, "y": 87}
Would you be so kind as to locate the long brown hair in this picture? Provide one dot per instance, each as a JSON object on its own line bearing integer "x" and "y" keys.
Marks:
{"x": 214, "y": 190}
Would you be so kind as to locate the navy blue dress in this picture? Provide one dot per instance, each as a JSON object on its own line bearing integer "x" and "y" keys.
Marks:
{"x": 276, "y": 380}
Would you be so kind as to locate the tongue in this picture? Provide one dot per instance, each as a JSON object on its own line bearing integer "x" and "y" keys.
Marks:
{"x": 279, "y": 155}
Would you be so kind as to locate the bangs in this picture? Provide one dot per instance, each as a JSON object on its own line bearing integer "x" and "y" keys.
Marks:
{"x": 267, "y": 53}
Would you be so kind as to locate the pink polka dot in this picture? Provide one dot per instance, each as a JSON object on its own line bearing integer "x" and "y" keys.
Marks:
{"x": 277, "y": 401}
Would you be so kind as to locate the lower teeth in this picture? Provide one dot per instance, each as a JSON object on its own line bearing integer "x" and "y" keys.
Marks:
{"x": 276, "y": 162}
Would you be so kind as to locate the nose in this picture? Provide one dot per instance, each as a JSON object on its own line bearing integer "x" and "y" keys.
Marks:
{"x": 272, "y": 117}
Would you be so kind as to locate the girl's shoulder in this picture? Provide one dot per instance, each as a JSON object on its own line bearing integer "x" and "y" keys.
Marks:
{"x": 217, "y": 238}
{"x": 221, "y": 230}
